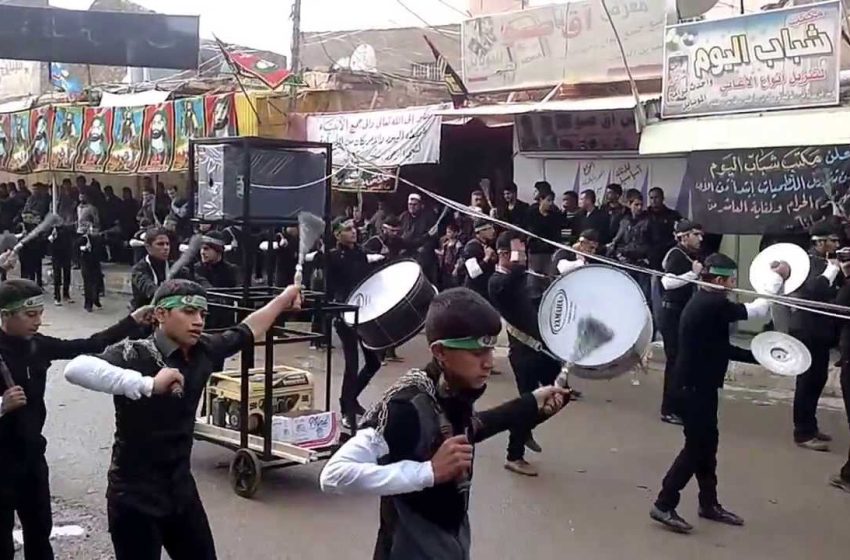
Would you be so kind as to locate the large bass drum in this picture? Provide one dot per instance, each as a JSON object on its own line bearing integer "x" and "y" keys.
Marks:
{"x": 608, "y": 297}
{"x": 393, "y": 302}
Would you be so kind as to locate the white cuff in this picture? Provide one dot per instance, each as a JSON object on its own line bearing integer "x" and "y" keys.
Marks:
{"x": 673, "y": 282}
{"x": 137, "y": 243}
{"x": 831, "y": 273}
{"x": 565, "y": 266}
{"x": 310, "y": 257}
{"x": 758, "y": 309}
{"x": 473, "y": 268}
{"x": 371, "y": 259}
{"x": 1, "y": 407}
{"x": 772, "y": 283}
{"x": 264, "y": 245}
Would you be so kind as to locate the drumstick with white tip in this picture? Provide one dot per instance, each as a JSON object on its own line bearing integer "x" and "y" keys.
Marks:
{"x": 310, "y": 230}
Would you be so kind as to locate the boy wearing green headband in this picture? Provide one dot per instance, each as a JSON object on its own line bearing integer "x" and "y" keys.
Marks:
{"x": 417, "y": 443}
{"x": 701, "y": 364}
{"x": 25, "y": 357}
{"x": 152, "y": 500}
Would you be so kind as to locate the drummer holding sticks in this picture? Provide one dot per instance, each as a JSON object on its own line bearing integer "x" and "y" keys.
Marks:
{"x": 704, "y": 355}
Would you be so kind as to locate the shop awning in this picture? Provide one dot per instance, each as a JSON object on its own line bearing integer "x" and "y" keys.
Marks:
{"x": 807, "y": 127}
{"x": 587, "y": 104}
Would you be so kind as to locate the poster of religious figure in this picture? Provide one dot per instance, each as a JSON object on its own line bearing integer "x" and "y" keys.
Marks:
{"x": 220, "y": 115}
{"x": 158, "y": 138}
{"x": 20, "y": 159}
{"x": 189, "y": 123}
{"x": 67, "y": 130}
{"x": 126, "y": 152}
{"x": 41, "y": 122}
{"x": 5, "y": 139}
{"x": 97, "y": 138}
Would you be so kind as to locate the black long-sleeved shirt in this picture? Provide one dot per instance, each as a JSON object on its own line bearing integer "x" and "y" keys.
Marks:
{"x": 28, "y": 361}
{"x": 704, "y": 347}
{"x": 805, "y": 324}
{"x": 146, "y": 276}
{"x": 509, "y": 294}
{"x": 346, "y": 268}
{"x": 547, "y": 226}
{"x": 597, "y": 220}
{"x": 474, "y": 249}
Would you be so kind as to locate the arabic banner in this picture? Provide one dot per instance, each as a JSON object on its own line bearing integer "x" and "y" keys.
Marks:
{"x": 380, "y": 138}
{"x": 158, "y": 138}
{"x": 19, "y": 160}
{"x": 97, "y": 139}
{"x": 761, "y": 190}
{"x": 189, "y": 119}
{"x": 570, "y": 43}
{"x": 380, "y": 180}
{"x": 577, "y": 131}
{"x": 41, "y": 122}
{"x": 65, "y": 139}
{"x": 220, "y": 116}
{"x": 126, "y": 152}
{"x": 765, "y": 61}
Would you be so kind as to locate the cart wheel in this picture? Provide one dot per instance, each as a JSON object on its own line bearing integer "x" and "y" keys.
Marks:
{"x": 245, "y": 473}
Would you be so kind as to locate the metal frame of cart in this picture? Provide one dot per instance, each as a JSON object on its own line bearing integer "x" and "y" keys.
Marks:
{"x": 257, "y": 453}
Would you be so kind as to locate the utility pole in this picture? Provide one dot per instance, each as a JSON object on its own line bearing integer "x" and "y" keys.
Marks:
{"x": 295, "y": 51}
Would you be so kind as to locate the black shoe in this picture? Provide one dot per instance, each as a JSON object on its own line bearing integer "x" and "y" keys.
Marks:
{"x": 671, "y": 520}
{"x": 717, "y": 513}
{"x": 353, "y": 409}
{"x": 841, "y": 483}
{"x": 87, "y": 308}
{"x": 98, "y": 304}
{"x": 820, "y": 436}
{"x": 674, "y": 419}
{"x": 532, "y": 445}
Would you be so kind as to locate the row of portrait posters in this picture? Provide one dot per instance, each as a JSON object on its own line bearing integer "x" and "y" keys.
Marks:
{"x": 123, "y": 140}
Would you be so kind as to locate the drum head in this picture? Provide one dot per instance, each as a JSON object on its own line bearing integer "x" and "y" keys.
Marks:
{"x": 794, "y": 255}
{"x": 625, "y": 364}
{"x": 603, "y": 294}
{"x": 383, "y": 290}
{"x": 781, "y": 354}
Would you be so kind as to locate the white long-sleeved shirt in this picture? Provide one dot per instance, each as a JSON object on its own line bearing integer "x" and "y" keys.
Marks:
{"x": 674, "y": 281}
{"x": 354, "y": 469}
{"x": 95, "y": 374}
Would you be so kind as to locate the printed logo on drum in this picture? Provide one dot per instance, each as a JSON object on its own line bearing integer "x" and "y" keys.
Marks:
{"x": 558, "y": 313}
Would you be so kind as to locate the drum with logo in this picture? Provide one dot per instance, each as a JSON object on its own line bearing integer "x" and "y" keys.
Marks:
{"x": 393, "y": 302}
{"x": 596, "y": 319}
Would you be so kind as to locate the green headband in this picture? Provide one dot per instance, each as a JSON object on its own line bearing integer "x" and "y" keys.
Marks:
{"x": 468, "y": 343}
{"x": 719, "y": 271}
{"x": 33, "y": 302}
{"x": 179, "y": 302}
{"x": 347, "y": 224}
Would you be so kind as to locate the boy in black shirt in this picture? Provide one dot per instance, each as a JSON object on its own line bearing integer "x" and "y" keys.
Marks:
{"x": 478, "y": 258}
{"x": 704, "y": 355}
{"x": 26, "y": 355}
{"x": 680, "y": 265}
{"x": 532, "y": 366}
{"x": 152, "y": 500}
{"x": 416, "y": 449}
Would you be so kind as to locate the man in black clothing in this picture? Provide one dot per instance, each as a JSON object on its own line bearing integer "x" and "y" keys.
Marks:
{"x": 214, "y": 272}
{"x": 388, "y": 242}
{"x": 533, "y": 366}
{"x": 842, "y": 479}
{"x": 157, "y": 383}
{"x": 591, "y": 217}
{"x": 631, "y": 244}
{"x": 27, "y": 354}
{"x": 347, "y": 266}
{"x": 662, "y": 220}
{"x": 680, "y": 265}
{"x": 147, "y": 274}
{"x": 419, "y": 231}
{"x": 543, "y": 220}
{"x": 478, "y": 259}
{"x": 587, "y": 244}
{"x": 569, "y": 212}
{"x": 416, "y": 447}
{"x": 704, "y": 355}
{"x": 614, "y": 208}
{"x": 514, "y": 210}
{"x": 817, "y": 332}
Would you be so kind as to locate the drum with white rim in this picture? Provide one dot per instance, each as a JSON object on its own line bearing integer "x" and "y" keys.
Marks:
{"x": 610, "y": 298}
{"x": 392, "y": 302}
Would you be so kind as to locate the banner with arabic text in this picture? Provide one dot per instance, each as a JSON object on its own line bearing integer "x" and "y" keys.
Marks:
{"x": 762, "y": 190}
{"x": 380, "y": 138}
{"x": 97, "y": 139}
{"x": 764, "y": 61}
{"x": 562, "y": 43}
{"x": 158, "y": 138}
{"x": 577, "y": 131}
{"x": 379, "y": 180}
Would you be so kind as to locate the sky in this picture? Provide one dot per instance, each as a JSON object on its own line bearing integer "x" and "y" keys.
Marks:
{"x": 266, "y": 24}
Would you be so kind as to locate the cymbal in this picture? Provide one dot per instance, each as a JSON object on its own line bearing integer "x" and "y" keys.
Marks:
{"x": 794, "y": 255}
{"x": 781, "y": 354}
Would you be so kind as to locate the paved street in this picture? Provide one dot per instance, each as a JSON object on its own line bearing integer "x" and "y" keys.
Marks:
{"x": 601, "y": 467}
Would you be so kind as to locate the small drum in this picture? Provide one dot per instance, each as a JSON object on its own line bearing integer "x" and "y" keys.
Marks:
{"x": 611, "y": 300}
{"x": 393, "y": 302}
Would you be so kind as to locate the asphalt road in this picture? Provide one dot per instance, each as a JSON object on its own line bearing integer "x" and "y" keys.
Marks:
{"x": 601, "y": 467}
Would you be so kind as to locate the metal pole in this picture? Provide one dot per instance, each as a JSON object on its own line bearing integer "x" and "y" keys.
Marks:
{"x": 295, "y": 51}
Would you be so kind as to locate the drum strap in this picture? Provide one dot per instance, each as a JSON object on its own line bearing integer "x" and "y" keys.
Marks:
{"x": 530, "y": 341}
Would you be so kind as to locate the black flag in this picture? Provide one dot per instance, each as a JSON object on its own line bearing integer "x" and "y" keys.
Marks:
{"x": 455, "y": 85}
